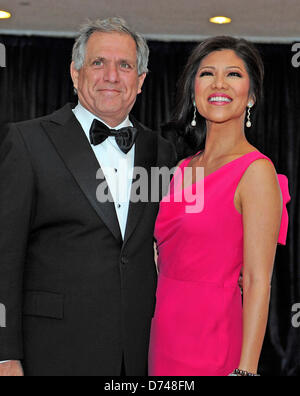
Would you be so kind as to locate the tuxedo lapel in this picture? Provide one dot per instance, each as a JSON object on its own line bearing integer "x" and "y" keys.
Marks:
{"x": 70, "y": 141}
{"x": 145, "y": 157}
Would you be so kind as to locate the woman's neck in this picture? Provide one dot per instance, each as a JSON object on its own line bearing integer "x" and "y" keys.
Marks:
{"x": 223, "y": 140}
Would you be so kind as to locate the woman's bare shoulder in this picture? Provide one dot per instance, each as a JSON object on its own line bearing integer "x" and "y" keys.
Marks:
{"x": 180, "y": 163}
{"x": 261, "y": 176}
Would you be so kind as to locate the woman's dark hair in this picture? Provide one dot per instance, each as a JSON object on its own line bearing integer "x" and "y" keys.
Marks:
{"x": 190, "y": 139}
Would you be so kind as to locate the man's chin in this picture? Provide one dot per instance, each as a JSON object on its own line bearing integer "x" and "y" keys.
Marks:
{"x": 107, "y": 104}
{"x": 110, "y": 115}
{"x": 109, "y": 111}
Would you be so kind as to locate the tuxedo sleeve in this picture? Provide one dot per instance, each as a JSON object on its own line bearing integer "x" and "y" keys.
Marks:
{"x": 16, "y": 196}
{"x": 167, "y": 155}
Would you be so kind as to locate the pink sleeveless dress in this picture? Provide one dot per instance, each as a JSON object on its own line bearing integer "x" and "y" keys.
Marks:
{"x": 197, "y": 328}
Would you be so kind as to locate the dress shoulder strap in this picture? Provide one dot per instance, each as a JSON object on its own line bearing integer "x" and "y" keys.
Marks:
{"x": 244, "y": 163}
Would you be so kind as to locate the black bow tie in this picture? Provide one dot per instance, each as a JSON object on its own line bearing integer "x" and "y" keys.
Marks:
{"x": 125, "y": 137}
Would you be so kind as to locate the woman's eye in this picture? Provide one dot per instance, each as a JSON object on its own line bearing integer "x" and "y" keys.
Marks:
{"x": 232, "y": 74}
{"x": 206, "y": 73}
{"x": 235, "y": 74}
{"x": 98, "y": 63}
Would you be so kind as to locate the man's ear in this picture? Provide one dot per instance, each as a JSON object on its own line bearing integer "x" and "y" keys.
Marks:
{"x": 141, "y": 82}
{"x": 74, "y": 75}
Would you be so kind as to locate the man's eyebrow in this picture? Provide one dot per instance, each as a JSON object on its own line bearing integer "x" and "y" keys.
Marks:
{"x": 95, "y": 58}
{"x": 119, "y": 60}
{"x": 127, "y": 61}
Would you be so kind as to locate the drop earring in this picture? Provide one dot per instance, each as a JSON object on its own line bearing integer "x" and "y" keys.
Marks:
{"x": 194, "y": 122}
{"x": 249, "y": 123}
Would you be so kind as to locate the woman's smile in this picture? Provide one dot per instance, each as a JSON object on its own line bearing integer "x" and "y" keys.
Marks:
{"x": 219, "y": 99}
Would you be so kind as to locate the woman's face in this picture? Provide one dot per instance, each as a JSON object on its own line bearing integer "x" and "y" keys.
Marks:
{"x": 222, "y": 87}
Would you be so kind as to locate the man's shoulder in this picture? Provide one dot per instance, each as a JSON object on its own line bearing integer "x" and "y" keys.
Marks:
{"x": 162, "y": 141}
{"x": 138, "y": 124}
{"x": 60, "y": 116}
{"x": 166, "y": 153}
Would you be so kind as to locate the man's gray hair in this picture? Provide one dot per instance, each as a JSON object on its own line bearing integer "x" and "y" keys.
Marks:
{"x": 110, "y": 25}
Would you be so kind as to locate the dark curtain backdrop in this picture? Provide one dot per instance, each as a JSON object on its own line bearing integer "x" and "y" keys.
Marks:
{"x": 36, "y": 82}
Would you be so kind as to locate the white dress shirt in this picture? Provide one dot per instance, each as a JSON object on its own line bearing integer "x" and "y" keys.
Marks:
{"x": 116, "y": 165}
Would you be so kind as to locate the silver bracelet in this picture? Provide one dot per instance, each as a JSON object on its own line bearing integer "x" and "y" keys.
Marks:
{"x": 242, "y": 373}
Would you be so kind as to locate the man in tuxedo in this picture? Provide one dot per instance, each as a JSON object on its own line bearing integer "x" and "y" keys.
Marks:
{"x": 77, "y": 273}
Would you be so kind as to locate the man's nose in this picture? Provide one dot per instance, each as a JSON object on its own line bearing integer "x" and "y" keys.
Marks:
{"x": 111, "y": 73}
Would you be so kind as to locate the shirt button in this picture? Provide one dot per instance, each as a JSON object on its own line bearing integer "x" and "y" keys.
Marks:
{"x": 119, "y": 206}
{"x": 116, "y": 170}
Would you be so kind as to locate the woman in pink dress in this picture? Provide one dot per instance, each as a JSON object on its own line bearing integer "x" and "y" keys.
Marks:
{"x": 201, "y": 327}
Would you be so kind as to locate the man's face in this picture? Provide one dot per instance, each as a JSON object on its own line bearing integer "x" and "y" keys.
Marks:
{"x": 108, "y": 83}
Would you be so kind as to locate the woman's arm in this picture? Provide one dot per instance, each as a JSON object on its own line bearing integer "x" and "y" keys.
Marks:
{"x": 155, "y": 254}
{"x": 261, "y": 203}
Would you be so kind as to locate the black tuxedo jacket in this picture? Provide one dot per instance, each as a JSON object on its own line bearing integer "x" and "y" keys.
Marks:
{"x": 78, "y": 298}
